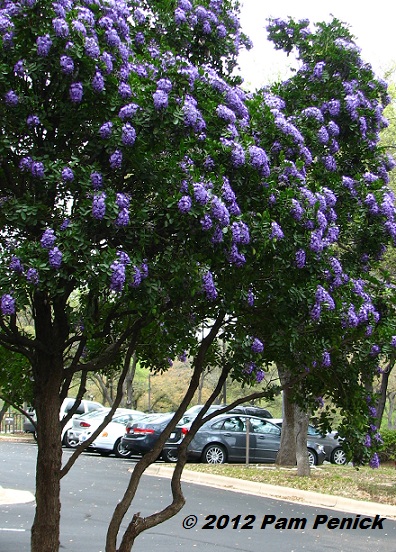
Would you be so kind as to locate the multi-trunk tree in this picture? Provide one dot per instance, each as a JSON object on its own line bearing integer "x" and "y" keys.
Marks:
{"x": 144, "y": 193}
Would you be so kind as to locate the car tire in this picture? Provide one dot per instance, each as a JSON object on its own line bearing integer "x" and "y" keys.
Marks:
{"x": 120, "y": 451}
{"x": 312, "y": 458}
{"x": 338, "y": 457}
{"x": 169, "y": 456}
{"x": 214, "y": 454}
{"x": 69, "y": 442}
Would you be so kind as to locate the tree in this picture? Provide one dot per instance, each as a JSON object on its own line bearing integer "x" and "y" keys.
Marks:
{"x": 145, "y": 195}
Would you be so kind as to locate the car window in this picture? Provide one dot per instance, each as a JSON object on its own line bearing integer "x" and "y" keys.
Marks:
{"x": 312, "y": 431}
{"x": 261, "y": 426}
{"x": 234, "y": 424}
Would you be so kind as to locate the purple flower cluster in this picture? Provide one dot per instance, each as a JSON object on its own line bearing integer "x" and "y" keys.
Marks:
{"x": 76, "y": 92}
{"x": 276, "y": 231}
{"x": 32, "y": 276}
{"x": 192, "y": 115}
{"x": 99, "y": 206}
{"x": 257, "y": 346}
{"x": 117, "y": 279}
{"x": 161, "y": 99}
{"x": 128, "y": 135}
{"x": 44, "y": 44}
{"x": 55, "y": 257}
{"x": 115, "y": 160}
{"x": 16, "y": 265}
{"x": 48, "y": 238}
{"x": 208, "y": 286}
{"x": 7, "y": 304}
{"x": 185, "y": 204}
{"x": 122, "y": 201}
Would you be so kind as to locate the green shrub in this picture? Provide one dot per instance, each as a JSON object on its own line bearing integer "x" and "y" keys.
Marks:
{"x": 388, "y": 449}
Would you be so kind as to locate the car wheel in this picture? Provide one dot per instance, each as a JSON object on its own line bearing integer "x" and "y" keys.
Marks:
{"x": 121, "y": 451}
{"x": 214, "y": 454}
{"x": 312, "y": 458}
{"x": 69, "y": 441}
{"x": 170, "y": 455}
{"x": 338, "y": 456}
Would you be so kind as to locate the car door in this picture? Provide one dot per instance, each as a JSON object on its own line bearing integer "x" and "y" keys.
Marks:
{"x": 266, "y": 440}
{"x": 232, "y": 433}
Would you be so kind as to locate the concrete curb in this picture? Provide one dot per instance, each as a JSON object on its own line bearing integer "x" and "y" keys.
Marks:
{"x": 11, "y": 496}
{"x": 284, "y": 493}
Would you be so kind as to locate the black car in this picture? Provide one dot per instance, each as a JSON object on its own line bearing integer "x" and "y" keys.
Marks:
{"x": 141, "y": 436}
{"x": 224, "y": 439}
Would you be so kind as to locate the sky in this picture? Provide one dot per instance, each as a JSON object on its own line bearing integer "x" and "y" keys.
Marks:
{"x": 372, "y": 23}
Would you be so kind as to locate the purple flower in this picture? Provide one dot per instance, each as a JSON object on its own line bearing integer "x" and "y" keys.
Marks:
{"x": 235, "y": 257}
{"x": 117, "y": 280}
{"x": 65, "y": 224}
{"x": 323, "y": 135}
{"x": 276, "y": 231}
{"x": 185, "y": 204}
{"x": 137, "y": 277}
{"x": 237, "y": 155}
{"x": 44, "y": 44}
{"x": 98, "y": 82}
{"x": 326, "y": 360}
{"x": 106, "y": 130}
{"x": 260, "y": 375}
{"x": 48, "y": 238}
{"x": 123, "y": 217}
{"x": 201, "y": 194}
{"x": 393, "y": 341}
{"x": 76, "y": 92}
{"x": 375, "y": 461}
{"x": 99, "y": 206}
{"x": 32, "y": 276}
{"x": 226, "y": 113}
{"x": 128, "y": 135}
{"x": 11, "y": 99}
{"x": 220, "y": 212}
{"x": 300, "y": 258}
{"x": 258, "y": 158}
{"x": 32, "y": 121}
{"x": 97, "y": 180}
{"x": 67, "y": 174}
{"x": 115, "y": 160}
{"x": 124, "y": 90}
{"x": 250, "y": 298}
{"x": 240, "y": 232}
{"x": 60, "y": 26}
{"x": 37, "y": 169}
{"x": 207, "y": 223}
{"x": 165, "y": 85}
{"x": 257, "y": 346}
{"x": 209, "y": 287}
{"x": 16, "y": 264}
{"x": 180, "y": 16}
{"x": 160, "y": 98}
{"x": 55, "y": 257}
{"x": 127, "y": 111}
{"x": 367, "y": 441}
{"x": 7, "y": 304}
{"x": 67, "y": 65}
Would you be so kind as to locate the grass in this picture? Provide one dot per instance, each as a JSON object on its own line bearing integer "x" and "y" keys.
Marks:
{"x": 360, "y": 484}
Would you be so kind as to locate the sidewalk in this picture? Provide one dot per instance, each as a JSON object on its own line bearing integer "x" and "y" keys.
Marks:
{"x": 10, "y": 496}
{"x": 289, "y": 494}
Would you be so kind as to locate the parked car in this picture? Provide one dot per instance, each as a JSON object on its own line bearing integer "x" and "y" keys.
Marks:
{"x": 109, "y": 440}
{"x": 141, "y": 436}
{"x": 92, "y": 420}
{"x": 331, "y": 444}
{"x": 224, "y": 439}
{"x": 84, "y": 407}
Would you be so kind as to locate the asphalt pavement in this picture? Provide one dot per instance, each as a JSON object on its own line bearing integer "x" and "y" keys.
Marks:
{"x": 297, "y": 496}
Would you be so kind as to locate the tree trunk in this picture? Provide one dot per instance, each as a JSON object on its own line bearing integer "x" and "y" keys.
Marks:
{"x": 301, "y": 420}
{"x": 3, "y": 411}
{"x": 287, "y": 452}
{"x": 45, "y": 529}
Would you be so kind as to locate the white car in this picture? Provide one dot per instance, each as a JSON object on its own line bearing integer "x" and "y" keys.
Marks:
{"x": 109, "y": 440}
